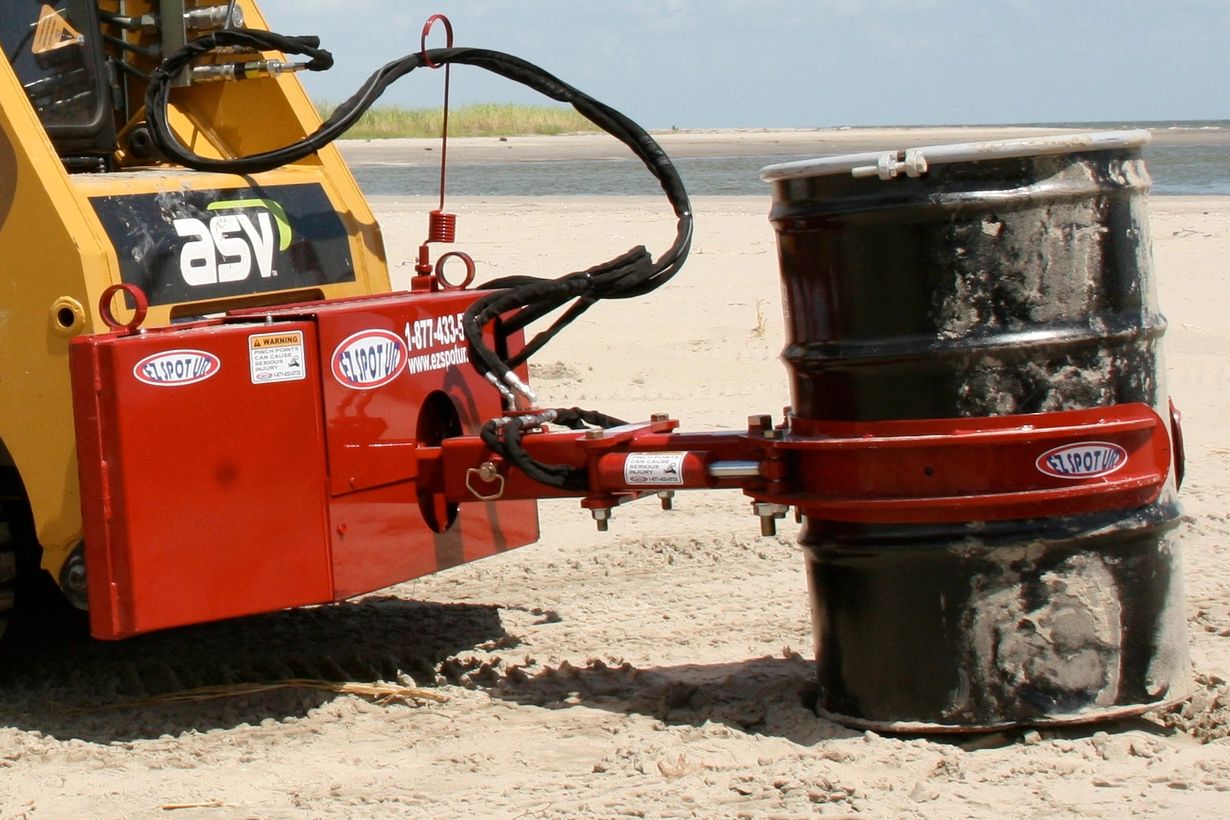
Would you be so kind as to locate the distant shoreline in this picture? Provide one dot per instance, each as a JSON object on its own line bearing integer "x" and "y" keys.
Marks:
{"x": 720, "y": 142}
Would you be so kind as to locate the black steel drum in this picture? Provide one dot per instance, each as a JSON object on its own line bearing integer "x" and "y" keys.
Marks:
{"x": 971, "y": 280}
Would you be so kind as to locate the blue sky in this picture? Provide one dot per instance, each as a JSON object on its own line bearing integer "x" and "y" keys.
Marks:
{"x": 806, "y": 63}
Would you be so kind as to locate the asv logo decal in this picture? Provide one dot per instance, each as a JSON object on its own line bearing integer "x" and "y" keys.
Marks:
{"x": 233, "y": 243}
{"x": 369, "y": 359}
{"x": 175, "y": 368}
{"x": 1086, "y": 459}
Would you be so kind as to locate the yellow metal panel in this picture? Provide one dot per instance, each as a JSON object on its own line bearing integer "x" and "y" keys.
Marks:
{"x": 56, "y": 259}
{"x": 51, "y": 249}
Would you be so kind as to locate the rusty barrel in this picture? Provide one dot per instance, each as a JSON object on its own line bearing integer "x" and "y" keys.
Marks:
{"x": 972, "y": 280}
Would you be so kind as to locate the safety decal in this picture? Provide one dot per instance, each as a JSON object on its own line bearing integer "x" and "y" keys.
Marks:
{"x": 276, "y": 357}
{"x": 369, "y": 359}
{"x": 177, "y": 368}
{"x": 1085, "y": 459}
{"x": 53, "y": 32}
{"x": 654, "y": 470}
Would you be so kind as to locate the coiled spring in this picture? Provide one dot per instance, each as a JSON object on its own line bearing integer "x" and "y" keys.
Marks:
{"x": 441, "y": 226}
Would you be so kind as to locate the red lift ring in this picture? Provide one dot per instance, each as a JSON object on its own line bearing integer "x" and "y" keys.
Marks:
{"x": 140, "y": 303}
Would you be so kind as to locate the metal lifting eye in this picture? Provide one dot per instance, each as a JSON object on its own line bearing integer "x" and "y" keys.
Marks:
{"x": 140, "y": 307}
{"x": 466, "y": 259}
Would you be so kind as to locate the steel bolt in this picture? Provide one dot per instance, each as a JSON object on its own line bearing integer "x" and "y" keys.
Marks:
{"x": 73, "y": 578}
{"x": 602, "y": 517}
{"x": 759, "y": 423}
{"x": 667, "y": 498}
{"x": 660, "y": 417}
{"x": 593, "y": 434}
{"x": 769, "y": 513}
{"x": 487, "y": 471}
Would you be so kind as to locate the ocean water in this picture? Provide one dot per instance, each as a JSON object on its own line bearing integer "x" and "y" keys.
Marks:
{"x": 1184, "y": 158}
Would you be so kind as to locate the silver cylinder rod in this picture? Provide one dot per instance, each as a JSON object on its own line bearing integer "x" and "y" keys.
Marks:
{"x": 735, "y": 469}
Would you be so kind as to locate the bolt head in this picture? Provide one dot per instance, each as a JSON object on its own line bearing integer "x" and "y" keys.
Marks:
{"x": 602, "y": 517}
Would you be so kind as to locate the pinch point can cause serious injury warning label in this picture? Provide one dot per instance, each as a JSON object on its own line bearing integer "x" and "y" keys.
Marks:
{"x": 654, "y": 469}
{"x": 276, "y": 357}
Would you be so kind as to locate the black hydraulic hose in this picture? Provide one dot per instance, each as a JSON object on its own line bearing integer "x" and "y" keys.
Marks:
{"x": 504, "y": 437}
{"x": 514, "y": 301}
{"x": 346, "y": 114}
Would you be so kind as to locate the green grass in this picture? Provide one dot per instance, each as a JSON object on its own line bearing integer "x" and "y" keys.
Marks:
{"x": 479, "y": 120}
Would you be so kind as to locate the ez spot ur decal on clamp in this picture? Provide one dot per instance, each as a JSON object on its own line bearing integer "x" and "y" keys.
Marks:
{"x": 1085, "y": 459}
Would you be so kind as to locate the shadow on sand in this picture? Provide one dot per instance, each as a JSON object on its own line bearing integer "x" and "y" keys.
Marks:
{"x": 58, "y": 681}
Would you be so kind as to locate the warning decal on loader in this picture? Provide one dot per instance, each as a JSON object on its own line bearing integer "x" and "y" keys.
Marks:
{"x": 53, "y": 32}
{"x": 276, "y": 357}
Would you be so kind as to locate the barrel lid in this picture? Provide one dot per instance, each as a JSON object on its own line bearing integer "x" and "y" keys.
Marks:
{"x": 914, "y": 161}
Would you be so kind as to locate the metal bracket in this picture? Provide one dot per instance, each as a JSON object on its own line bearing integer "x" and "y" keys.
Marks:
{"x": 889, "y": 167}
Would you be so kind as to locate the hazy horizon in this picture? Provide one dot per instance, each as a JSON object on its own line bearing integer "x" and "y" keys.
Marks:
{"x": 825, "y": 63}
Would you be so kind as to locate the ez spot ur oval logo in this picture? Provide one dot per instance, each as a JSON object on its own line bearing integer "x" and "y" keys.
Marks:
{"x": 369, "y": 359}
{"x": 176, "y": 368}
{"x": 1085, "y": 459}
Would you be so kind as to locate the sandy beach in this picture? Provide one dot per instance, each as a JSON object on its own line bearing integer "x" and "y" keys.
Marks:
{"x": 679, "y": 144}
{"x": 663, "y": 669}
{"x": 700, "y": 143}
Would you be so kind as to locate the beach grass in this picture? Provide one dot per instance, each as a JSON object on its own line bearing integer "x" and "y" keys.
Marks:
{"x": 478, "y": 120}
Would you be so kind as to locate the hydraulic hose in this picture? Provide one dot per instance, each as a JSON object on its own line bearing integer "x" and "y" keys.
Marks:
{"x": 514, "y": 301}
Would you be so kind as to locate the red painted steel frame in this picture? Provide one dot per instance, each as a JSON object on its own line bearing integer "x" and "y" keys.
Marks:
{"x": 923, "y": 471}
{"x": 221, "y": 477}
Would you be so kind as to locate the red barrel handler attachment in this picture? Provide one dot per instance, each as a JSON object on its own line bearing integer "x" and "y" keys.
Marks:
{"x": 922, "y": 471}
{"x": 977, "y": 469}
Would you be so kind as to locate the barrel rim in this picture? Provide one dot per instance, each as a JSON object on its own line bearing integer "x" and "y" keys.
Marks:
{"x": 962, "y": 152}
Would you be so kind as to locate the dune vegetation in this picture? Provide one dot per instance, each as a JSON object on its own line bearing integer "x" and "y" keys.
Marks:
{"x": 478, "y": 120}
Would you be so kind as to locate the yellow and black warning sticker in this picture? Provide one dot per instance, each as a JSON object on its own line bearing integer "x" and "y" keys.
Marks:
{"x": 53, "y": 32}
{"x": 276, "y": 357}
